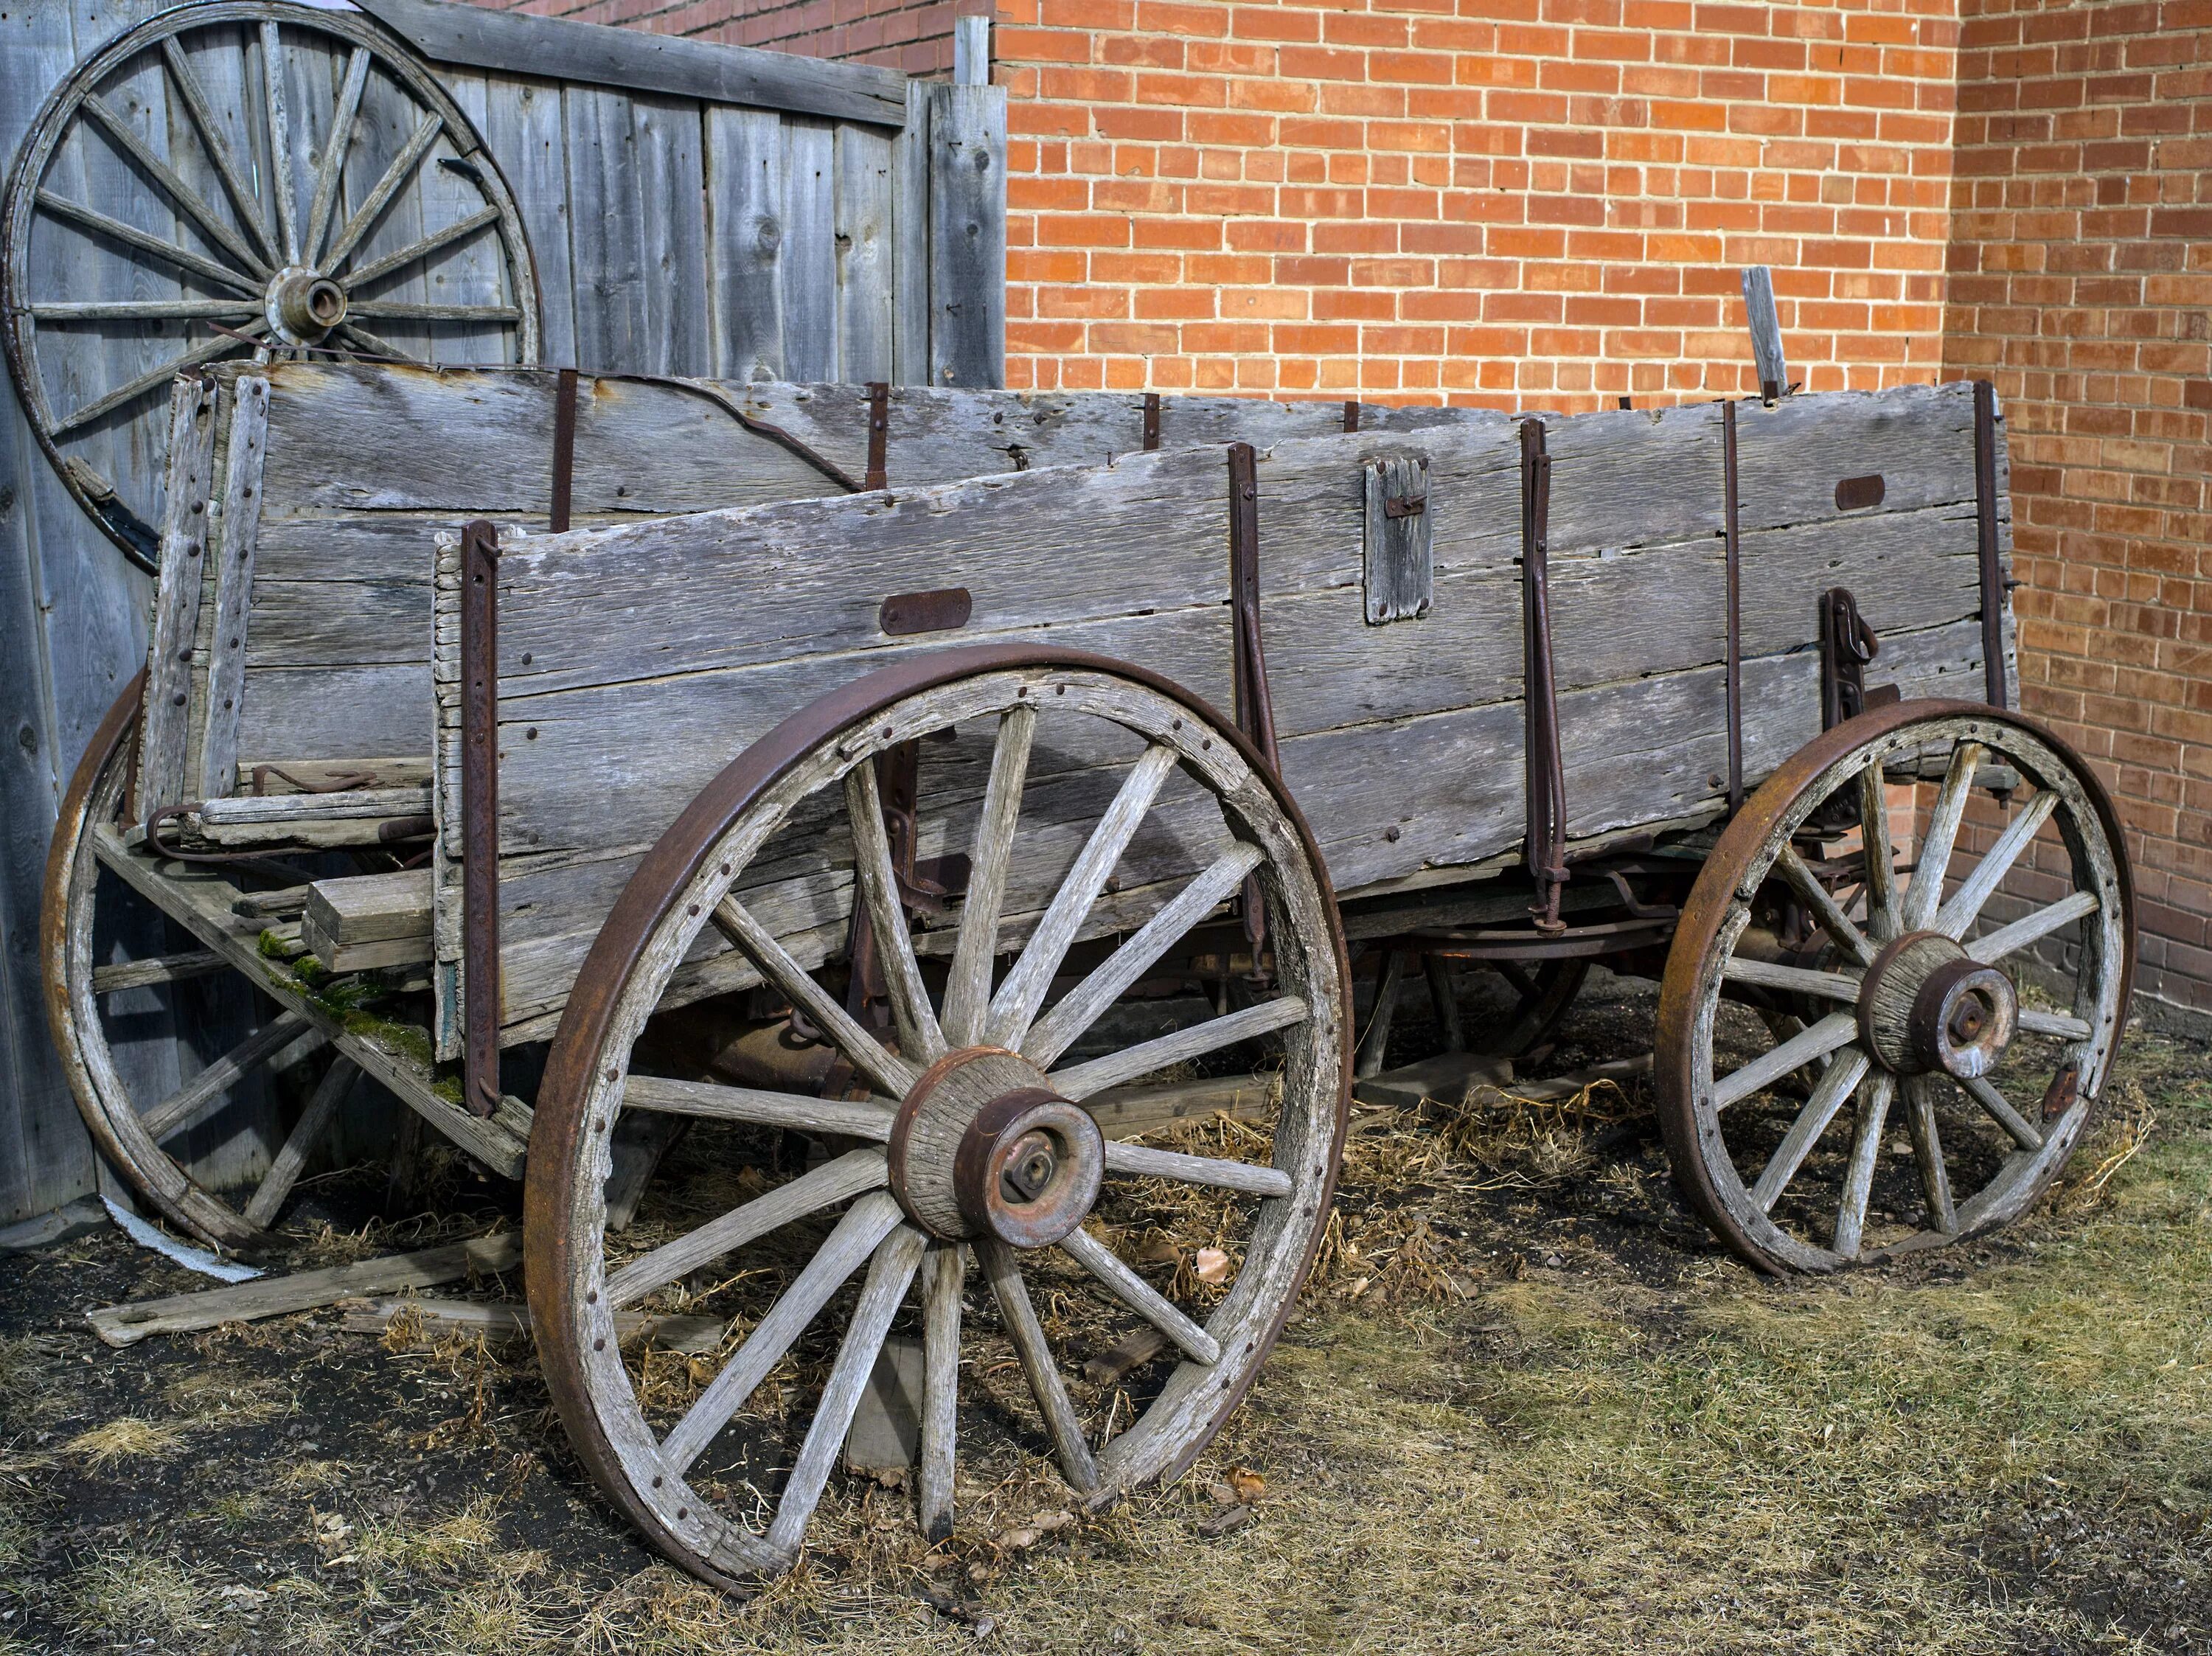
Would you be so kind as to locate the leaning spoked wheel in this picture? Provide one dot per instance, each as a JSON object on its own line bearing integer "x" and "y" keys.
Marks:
{"x": 243, "y": 178}
{"x": 1111, "y": 821}
{"x": 1867, "y": 1048}
{"x": 113, "y": 971}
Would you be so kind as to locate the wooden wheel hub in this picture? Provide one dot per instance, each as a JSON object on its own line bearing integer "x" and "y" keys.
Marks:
{"x": 1927, "y": 1005}
{"x": 984, "y": 1147}
{"x": 304, "y": 305}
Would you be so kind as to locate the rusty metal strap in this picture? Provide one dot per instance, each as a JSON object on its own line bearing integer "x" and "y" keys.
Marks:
{"x": 1352, "y": 413}
{"x": 1151, "y": 421}
{"x": 564, "y": 447}
{"x": 1732, "y": 549}
{"x": 1545, "y": 845}
{"x": 879, "y": 435}
{"x": 1255, "y": 713}
{"x": 480, "y": 813}
{"x": 1985, "y": 523}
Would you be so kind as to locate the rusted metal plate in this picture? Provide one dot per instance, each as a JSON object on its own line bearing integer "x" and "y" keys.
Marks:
{"x": 938, "y": 611}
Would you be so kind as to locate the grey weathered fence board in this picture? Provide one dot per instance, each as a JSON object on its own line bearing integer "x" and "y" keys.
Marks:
{"x": 744, "y": 231}
{"x": 1401, "y": 742}
{"x": 810, "y": 251}
{"x": 863, "y": 238}
{"x": 522, "y": 126}
{"x": 968, "y": 243}
{"x": 515, "y": 43}
{"x": 69, "y": 618}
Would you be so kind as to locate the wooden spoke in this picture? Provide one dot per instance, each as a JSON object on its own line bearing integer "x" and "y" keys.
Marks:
{"x": 2031, "y": 928}
{"x": 865, "y": 1225}
{"x": 160, "y": 968}
{"x": 893, "y": 1075}
{"x": 1965, "y": 904}
{"x": 386, "y": 264}
{"x": 1844, "y": 1073}
{"x": 854, "y": 1119}
{"x": 334, "y": 153}
{"x": 1083, "y": 1005}
{"x": 2062, "y": 1025}
{"x": 1795, "y": 980}
{"x": 372, "y": 207}
{"x": 968, "y": 987}
{"x": 210, "y": 221}
{"x": 1884, "y": 918}
{"x": 1925, "y": 894}
{"x": 402, "y": 311}
{"x": 1003, "y": 1266}
{"x": 1143, "y": 1162}
{"x": 1983, "y": 1092}
{"x": 377, "y": 345}
{"x": 153, "y": 376}
{"x": 1139, "y": 1295}
{"x": 131, "y": 236}
{"x": 1866, "y": 1148}
{"x": 279, "y": 141}
{"x": 218, "y": 150}
{"x": 945, "y": 1269}
{"x": 832, "y": 1182}
{"x": 1814, "y": 895}
{"x": 1837, "y": 1029}
{"x": 1081, "y": 1081}
{"x": 889, "y": 1276}
{"x": 141, "y": 309}
{"x": 308, "y": 1132}
{"x": 1919, "y": 1095}
{"x": 918, "y": 1036}
{"x": 1024, "y": 990}
{"x": 197, "y": 1099}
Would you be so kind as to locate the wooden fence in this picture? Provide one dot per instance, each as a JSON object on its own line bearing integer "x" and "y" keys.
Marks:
{"x": 687, "y": 209}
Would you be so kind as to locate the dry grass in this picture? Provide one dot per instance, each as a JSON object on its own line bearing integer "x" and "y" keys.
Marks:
{"x": 126, "y": 1439}
{"x": 1491, "y": 1428}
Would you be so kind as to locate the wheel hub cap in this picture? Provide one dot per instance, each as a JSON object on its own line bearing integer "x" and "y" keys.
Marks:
{"x": 303, "y": 306}
{"x": 984, "y": 1147}
{"x": 1927, "y": 1005}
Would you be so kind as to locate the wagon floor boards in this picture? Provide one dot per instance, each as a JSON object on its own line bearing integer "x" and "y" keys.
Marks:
{"x": 620, "y": 695}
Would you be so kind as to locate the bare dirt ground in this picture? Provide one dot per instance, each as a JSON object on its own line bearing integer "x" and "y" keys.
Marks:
{"x": 1528, "y": 1406}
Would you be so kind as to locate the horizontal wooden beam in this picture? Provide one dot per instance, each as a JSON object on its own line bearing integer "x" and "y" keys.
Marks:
{"x": 636, "y": 61}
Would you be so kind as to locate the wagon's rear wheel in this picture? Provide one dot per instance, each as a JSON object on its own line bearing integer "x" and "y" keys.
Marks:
{"x": 1104, "y": 813}
{"x": 1949, "y": 1014}
{"x": 111, "y": 964}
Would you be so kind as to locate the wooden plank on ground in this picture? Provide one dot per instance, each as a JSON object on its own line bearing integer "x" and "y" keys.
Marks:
{"x": 305, "y": 1290}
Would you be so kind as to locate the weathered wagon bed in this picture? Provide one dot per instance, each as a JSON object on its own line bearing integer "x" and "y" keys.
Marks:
{"x": 848, "y": 765}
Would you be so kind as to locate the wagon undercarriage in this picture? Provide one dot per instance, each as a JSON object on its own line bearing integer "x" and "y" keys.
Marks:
{"x": 733, "y": 857}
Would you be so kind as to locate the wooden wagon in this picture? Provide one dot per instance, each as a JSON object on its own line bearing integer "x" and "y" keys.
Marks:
{"x": 913, "y": 800}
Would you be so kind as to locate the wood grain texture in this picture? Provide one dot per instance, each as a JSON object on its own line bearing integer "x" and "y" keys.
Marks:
{"x": 967, "y": 235}
{"x": 603, "y": 55}
{"x": 234, "y": 569}
{"x": 164, "y": 722}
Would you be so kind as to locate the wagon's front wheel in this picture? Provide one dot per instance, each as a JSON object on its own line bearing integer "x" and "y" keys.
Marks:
{"x": 1109, "y": 820}
{"x": 1868, "y": 1048}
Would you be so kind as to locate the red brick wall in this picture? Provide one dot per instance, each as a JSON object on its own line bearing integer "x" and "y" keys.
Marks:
{"x": 2081, "y": 282}
{"x": 1490, "y": 199}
